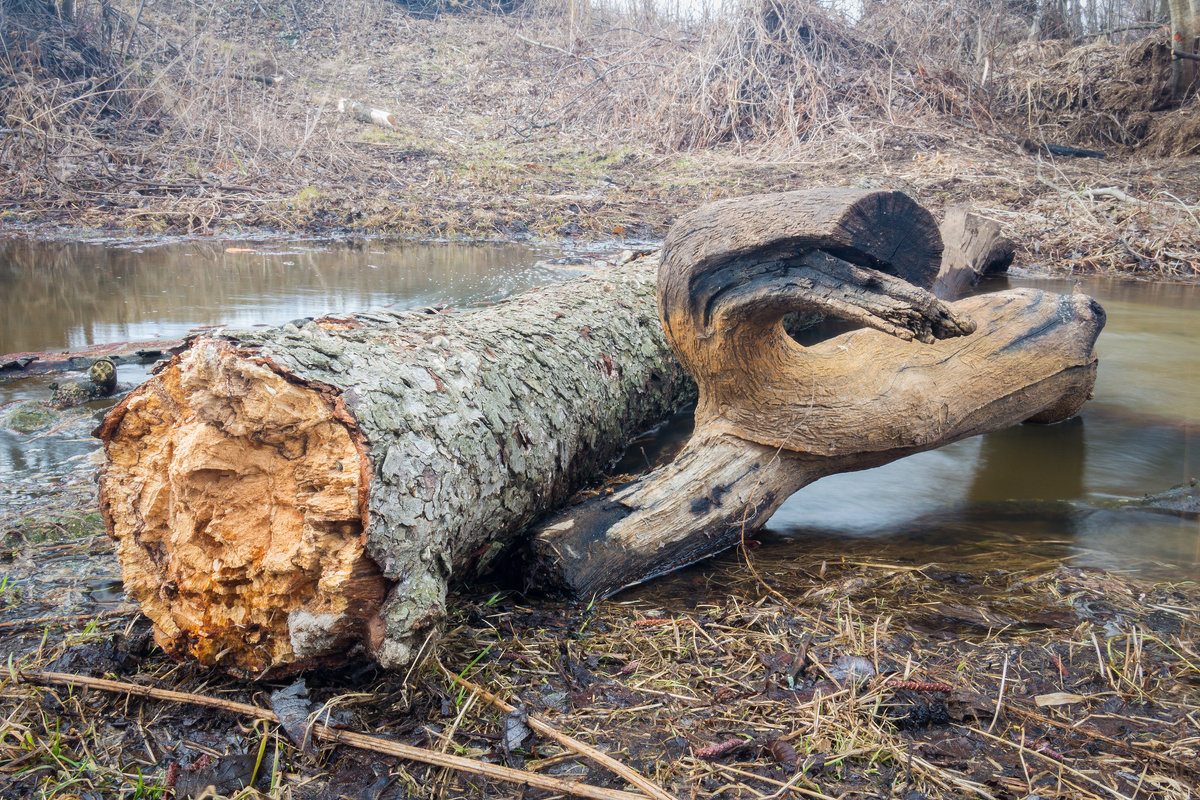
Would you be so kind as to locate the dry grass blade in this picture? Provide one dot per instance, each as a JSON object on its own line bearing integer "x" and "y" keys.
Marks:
{"x": 1107, "y": 790}
{"x": 321, "y": 731}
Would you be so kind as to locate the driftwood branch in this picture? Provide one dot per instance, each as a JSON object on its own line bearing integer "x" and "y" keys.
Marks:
{"x": 582, "y": 748}
{"x": 327, "y": 733}
{"x": 773, "y": 416}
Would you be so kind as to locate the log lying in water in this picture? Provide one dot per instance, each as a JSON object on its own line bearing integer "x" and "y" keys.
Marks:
{"x": 774, "y": 416}
{"x": 284, "y": 498}
{"x": 23, "y": 365}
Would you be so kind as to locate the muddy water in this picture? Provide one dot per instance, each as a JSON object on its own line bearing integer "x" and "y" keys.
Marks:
{"x": 1039, "y": 494}
{"x": 69, "y": 295}
{"x": 58, "y": 296}
{"x": 1031, "y": 494}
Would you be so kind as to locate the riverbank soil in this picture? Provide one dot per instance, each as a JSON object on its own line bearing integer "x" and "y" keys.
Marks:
{"x": 579, "y": 122}
{"x": 849, "y": 673}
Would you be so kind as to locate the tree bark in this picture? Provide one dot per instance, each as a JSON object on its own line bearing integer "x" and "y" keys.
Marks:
{"x": 283, "y": 498}
{"x": 773, "y": 416}
{"x": 1185, "y": 35}
{"x": 286, "y": 498}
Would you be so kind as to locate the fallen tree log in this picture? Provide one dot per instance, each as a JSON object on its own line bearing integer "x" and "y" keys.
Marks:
{"x": 975, "y": 249}
{"x": 286, "y": 497}
{"x": 774, "y": 416}
{"x": 16, "y": 366}
{"x": 365, "y": 113}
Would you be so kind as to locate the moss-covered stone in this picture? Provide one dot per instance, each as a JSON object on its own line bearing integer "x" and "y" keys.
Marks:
{"x": 28, "y": 417}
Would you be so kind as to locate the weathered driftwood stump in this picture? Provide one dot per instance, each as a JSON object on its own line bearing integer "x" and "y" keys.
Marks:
{"x": 291, "y": 497}
{"x": 774, "y": 416}
{"x": 288, "y": 498}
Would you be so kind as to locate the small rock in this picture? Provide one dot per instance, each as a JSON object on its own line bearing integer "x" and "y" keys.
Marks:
{"x": 854, "y": 669}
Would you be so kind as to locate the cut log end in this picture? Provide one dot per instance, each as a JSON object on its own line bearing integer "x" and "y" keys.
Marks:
{"x": 236, "y": 500}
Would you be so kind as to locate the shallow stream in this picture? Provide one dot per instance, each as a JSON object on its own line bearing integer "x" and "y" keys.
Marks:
{"x": 1033, "y": 493}
{"x": 65, "y": 296}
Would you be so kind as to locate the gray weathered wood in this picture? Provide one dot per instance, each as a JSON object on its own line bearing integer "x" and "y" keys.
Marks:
{"x": 974, "y": 248}
{"x": 773, "y": 416}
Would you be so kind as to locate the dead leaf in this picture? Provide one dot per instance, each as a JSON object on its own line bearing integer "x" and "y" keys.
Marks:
{"x": 1058, "y": 699}
{"x": 291, "y": 705}
{"x": 855, "y": 669}
{"x": 515, "y": 730}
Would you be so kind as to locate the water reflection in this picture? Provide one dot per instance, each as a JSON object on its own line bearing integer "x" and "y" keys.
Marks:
{"x": 1004, "y": 470}
{"x": 1048, "y": 483}
{"x": 68, "y": 295}
{"x": 59, "y": 295}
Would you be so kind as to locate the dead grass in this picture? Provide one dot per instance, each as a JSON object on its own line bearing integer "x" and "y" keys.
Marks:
{"x": 846, "y": 674}
{"x": 580, "y": 122}
{"x": 1099, "y": 94}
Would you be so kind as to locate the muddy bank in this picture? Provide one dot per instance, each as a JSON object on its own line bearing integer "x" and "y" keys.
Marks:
{"x": 845, "y": 673}
{"x": 499, "y": 129}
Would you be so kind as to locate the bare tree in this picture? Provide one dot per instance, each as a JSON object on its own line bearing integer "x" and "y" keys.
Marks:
{"x": 1185, "y": 30}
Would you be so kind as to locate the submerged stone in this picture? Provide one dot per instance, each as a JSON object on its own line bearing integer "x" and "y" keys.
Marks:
{"x": 28, "y": 417}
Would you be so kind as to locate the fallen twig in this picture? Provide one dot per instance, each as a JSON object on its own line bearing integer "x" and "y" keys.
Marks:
{"x": 1000, "y": 695}
{"x": 59, "y": 619}
{"x": 1090, "y": 733}
{"x": 358, "y": 740}
{"x": 1057, "y": 763}
{"x": 1114, "y": 193}
{"x": 586, "y": 750}
{"x": 591, "y": 62}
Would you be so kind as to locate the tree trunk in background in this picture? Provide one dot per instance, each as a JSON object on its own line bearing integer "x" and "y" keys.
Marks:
{"x": 284, "y": 498}
{"x": 1185, "y": 33}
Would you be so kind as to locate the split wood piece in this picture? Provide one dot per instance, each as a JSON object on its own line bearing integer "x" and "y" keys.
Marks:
{"x": 774, "y": 416}
{"x": 292, "y": 497}
{"x": 582, "y": 748}
{"x": 361, "y": 741}
{"x": 975, "y": 248}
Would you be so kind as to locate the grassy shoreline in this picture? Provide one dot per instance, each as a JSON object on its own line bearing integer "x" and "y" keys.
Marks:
{"x": 586, "y": 125}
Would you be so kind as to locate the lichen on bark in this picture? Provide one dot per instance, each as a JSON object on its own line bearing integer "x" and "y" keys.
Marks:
{"x": 470, "y": 425}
